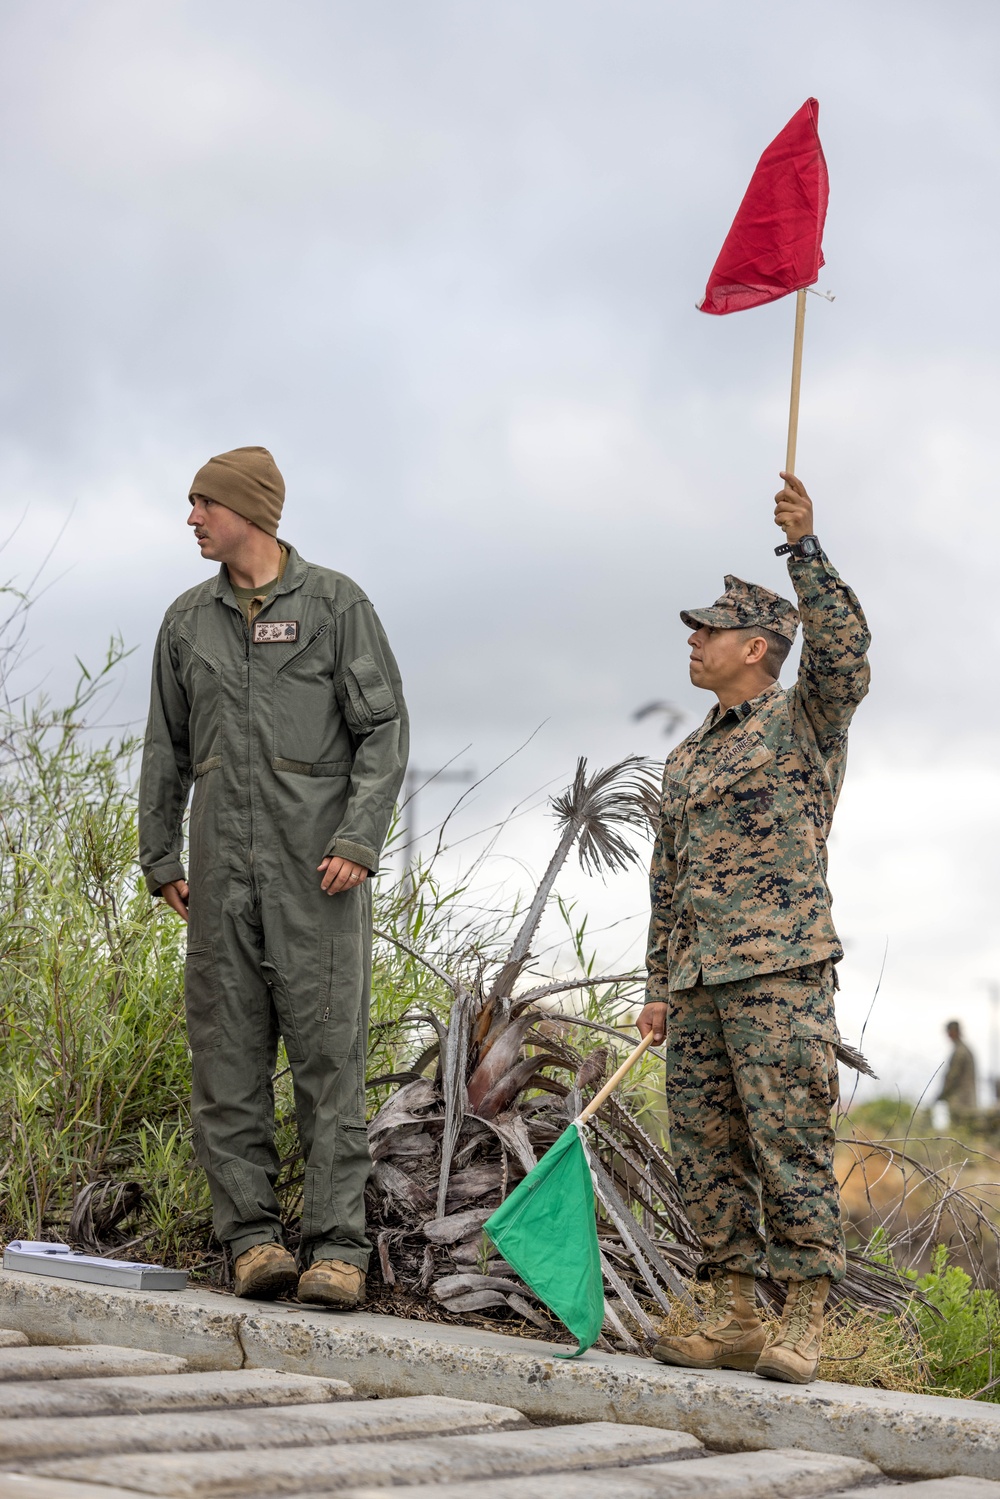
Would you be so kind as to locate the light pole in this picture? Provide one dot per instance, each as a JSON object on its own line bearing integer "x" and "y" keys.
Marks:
{"x": 415, "y": 782}
{"x": 993, "y": 990}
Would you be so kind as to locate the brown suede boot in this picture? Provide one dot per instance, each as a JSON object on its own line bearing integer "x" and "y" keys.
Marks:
{"x": 794, "y": 1354}
{"x": 332, "y": 1283}
{"x": 733, "y": 1337}
{"x": 265, "y": 1271}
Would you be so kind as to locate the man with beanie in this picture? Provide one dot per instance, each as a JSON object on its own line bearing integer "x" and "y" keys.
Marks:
{"x": 742, "y": 950}
{"x": 276, "y": 696}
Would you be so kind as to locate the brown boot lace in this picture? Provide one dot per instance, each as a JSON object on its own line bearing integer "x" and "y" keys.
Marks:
{"x": 721, "y": 1307}
{"x": 801, "y": 1315}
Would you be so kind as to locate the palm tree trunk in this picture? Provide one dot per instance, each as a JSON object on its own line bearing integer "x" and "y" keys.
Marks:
{"x": 454, "y": 1061}
{"x": 521, "y": 945}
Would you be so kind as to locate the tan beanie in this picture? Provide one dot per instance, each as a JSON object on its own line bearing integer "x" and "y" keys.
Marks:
{"x": 247, "y": 481}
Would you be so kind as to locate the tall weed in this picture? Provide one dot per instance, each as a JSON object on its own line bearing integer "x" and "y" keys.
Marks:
{"x": 94, "y": 1066}
{"x": 91, "y": 1012}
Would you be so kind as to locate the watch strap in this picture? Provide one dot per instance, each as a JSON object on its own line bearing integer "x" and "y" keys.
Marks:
{"x": 799, "y": 550}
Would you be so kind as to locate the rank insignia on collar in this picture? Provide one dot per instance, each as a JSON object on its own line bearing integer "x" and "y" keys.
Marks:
{"x": 275, "y": 631}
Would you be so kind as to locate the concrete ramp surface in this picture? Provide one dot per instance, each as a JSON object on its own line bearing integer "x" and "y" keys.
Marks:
{"x": 181, "y": 1402}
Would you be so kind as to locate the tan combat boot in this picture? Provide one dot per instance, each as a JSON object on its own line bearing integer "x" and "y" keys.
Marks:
{"x": 332, "y": 1283}
{"x": 264, "y": 1271}
{"x": 733, "y": 1337}
{"x": 794, "y": 1354}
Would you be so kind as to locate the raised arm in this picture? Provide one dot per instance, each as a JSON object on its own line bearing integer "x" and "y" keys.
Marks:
{"x": 833, "y": 673}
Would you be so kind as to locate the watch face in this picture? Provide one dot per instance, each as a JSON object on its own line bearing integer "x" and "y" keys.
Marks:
{"x": 809, "y": 546}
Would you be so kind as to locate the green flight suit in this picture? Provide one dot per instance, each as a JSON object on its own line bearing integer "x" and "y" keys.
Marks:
{"x": 293, "y": 732}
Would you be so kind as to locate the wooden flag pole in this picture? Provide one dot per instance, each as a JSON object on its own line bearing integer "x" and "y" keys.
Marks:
{"x": 793, "y": 405}
{"x": 614, "y": 1080}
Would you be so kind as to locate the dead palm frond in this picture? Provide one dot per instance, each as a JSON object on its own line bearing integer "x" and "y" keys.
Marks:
{"x": 592, "y": 810}
{"x": 851, "y": 1057}
{"x": 98, "y": 1211}
{"x": 626, "y": 795}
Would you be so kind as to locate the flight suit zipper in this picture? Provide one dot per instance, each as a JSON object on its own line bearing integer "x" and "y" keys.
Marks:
{"x": 206, "y": 661}
{"x": 247, "y": 667}
{"x": 308, "y": 645}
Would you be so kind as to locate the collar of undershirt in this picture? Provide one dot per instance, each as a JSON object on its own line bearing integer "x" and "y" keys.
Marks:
{"x": 253, "y": 595}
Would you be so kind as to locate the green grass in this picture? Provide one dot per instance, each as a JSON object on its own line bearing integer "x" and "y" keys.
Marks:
{"x": 880, "y": 1118}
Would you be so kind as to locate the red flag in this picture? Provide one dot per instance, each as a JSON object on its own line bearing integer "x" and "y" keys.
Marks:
{"x": 776, "y": 243}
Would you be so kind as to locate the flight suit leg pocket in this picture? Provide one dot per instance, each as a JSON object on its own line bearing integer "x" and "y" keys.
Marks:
{"x": 202, "y": 999}
{"x": 343, "y": 972}
{"x": 333, "y": 1207}
{"x": 812, "y": 1083}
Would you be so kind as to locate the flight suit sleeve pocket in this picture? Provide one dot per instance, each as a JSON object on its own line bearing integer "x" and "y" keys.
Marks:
{"x": 812, "y": 1082}
{"x": 201, "y": 997}
{"x": 368, "y": 698}
{"x": 344, "y": 976}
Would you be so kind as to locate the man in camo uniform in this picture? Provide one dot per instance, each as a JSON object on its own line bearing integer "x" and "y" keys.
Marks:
{"x": 742, "y": 951}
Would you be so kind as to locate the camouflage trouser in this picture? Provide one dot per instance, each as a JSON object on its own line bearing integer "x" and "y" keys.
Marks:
{"x": 751, "y": 1080}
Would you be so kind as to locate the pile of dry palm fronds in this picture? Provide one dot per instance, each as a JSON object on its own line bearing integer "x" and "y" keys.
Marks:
{"x": 508, "y": 1075}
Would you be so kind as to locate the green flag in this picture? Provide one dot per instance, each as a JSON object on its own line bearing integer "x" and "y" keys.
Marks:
{"x": 547, "y": 1230}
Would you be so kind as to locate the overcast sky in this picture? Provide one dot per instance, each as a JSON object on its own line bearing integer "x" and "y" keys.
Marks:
{"x": 442, "y": 259}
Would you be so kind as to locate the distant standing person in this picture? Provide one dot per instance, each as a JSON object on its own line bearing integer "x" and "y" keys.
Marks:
{"x": 958, "y": 1090}
{"x": 275, "y": 694}
{"x": 742, "y": 949}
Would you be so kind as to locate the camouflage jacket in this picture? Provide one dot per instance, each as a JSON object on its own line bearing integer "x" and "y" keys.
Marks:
{"x": 738, "y": 878}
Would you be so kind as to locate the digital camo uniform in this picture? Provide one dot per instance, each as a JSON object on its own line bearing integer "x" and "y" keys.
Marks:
{"x": 742, "y": 945}
{"x": 293, "y": 732}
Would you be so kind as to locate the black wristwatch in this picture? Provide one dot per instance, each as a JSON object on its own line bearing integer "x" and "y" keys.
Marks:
{"x": 803, "y": 549}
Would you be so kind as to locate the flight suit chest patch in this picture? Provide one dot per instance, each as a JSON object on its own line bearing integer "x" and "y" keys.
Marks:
{"x": 275, "y": 631}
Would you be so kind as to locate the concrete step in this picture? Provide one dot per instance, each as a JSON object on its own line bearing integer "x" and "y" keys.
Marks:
{"x": 21, "y": 1486}
{"x": 936, "y": 1488}
{"x": 452, "y": 1459}
{"x": 83, "y": 1362}
{"x": 229, "y": 1389}
{"x": 47, "y": 1439}
{"x": 11, "y": 1339}
{"x": 741, "y": 1475}
{"x": 907, "y": 1436}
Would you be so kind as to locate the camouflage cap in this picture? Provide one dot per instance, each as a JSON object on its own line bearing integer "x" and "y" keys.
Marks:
{"x": 744, "y": 605}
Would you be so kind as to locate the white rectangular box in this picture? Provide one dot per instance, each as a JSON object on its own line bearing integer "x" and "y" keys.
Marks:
{"x": 61, "y": 1261}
